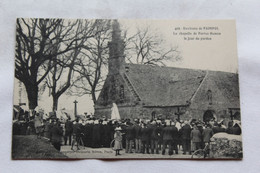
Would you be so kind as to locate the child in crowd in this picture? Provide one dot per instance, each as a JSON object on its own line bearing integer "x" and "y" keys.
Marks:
{"x": 118, "y": 140}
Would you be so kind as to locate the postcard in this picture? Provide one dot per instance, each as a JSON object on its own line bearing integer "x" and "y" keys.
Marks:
{"x": 126, "y": 89}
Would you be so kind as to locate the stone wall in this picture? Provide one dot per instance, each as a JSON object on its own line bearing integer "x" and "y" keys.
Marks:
{"x": 124, "y": 111}
{"x": 138, "y": 111}
{"x": 220, "y": 101}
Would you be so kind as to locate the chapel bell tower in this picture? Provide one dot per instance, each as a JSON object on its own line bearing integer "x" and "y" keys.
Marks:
{"x": 116, "y": 61}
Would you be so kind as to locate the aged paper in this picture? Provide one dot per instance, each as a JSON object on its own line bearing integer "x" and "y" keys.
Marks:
{"x": 126, "y": 89}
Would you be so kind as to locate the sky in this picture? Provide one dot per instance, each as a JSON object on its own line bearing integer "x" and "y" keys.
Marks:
{"x": 219, "y": 53}
{"x": 209, "y": 45}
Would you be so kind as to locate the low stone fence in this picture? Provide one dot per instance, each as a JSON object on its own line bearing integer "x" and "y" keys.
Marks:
{"x": 225, "y": 145}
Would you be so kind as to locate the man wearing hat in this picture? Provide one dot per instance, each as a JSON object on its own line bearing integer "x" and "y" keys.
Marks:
{"x": 175, "y": 136}
{"x": 56, "y": 134}
{"x": 105, "y": 134}
{"x": 89, "y": 132}
{"x": 196, "y": 138}
{"x": 185, "y": 134}
{"x": 207, "y": 134}
{"x": 47, "y": 128}
{"x": 138, "y": 142}
{"x": 130, "y": 136}
{"x": 145, "y": 138}
{"x": 75, "y": 133}
{"x": 155, "y": 136}
{"x": 96, "y": 141}
{"x": 167, "y": 137}
{"x": 68, "y": 131}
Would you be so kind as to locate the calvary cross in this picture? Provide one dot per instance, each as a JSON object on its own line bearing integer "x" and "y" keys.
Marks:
{"x": 75, "y": 108}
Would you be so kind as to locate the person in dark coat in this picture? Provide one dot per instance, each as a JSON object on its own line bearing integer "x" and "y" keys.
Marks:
{"x": 47, "y": 128}
{"x": 175, "y": 136}
{"x": 56, "y": 135}
{"x": 185, "y": 134}
{"x": 96, "y": 142}
{"x": 199, "y": 125}
{"x": 111, "y": 131}
{"x": 196, "y": 138}
{"x": 218, "y": 129}
{"x": 102, "y": 133}
{"x": 130, "y": 136}
{"x": 155, "y": 136}
{"x": 123, "y": 126}
{"x": 236, "y": 130}
{"x": 145, "y": 138}
{"x": 229, "y": 129}
{"x": 167, "y": 133}
{"x": 76, "y": 133}
{"x": 89, "y": 133}
{"x": 68, "y": 131}
{"x": 207, "y": 134}
{"x": 106, "y": 134}
{"x": 160, "y": 141}
{"x": 138, "y": 142}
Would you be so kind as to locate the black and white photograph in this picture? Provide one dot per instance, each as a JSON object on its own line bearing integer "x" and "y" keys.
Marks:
{"x": 126, "y": 89}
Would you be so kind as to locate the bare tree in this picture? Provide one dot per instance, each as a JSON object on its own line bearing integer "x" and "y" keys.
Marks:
{"x": 148, "y": 47}
{"x": 60, "y": 77}
{"x": 38, "y": 42}
{"x": 91, "y": 66}
{"x": 56, "y": 76}
{"x": 143, "y": 47}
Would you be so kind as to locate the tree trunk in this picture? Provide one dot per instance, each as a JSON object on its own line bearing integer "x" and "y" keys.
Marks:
{"x": 93, "y": 94}
{"x": 55, "y": 103}
{"x": 32, "y": 94}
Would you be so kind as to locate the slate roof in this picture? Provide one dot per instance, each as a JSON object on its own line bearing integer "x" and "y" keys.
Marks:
{"x": 229, "y": 85}
{"x": 170, "y": 86}
{"x": 164, "y": 86}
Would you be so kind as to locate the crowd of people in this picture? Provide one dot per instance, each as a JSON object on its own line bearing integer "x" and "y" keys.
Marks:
{"x": 138, "y": 136}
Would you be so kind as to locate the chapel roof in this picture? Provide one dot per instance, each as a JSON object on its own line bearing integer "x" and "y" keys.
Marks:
{"x": 171, "y": 86}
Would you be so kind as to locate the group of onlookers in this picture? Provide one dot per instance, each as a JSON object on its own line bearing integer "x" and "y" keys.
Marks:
{"x": 139, "y": 136}
{"x": 154, "y": 136}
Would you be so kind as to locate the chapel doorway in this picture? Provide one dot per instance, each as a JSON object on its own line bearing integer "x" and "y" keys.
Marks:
{"x": 208, "y": 115}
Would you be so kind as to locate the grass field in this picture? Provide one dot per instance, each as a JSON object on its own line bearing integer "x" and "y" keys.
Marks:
{"x": 29, "y": 147}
